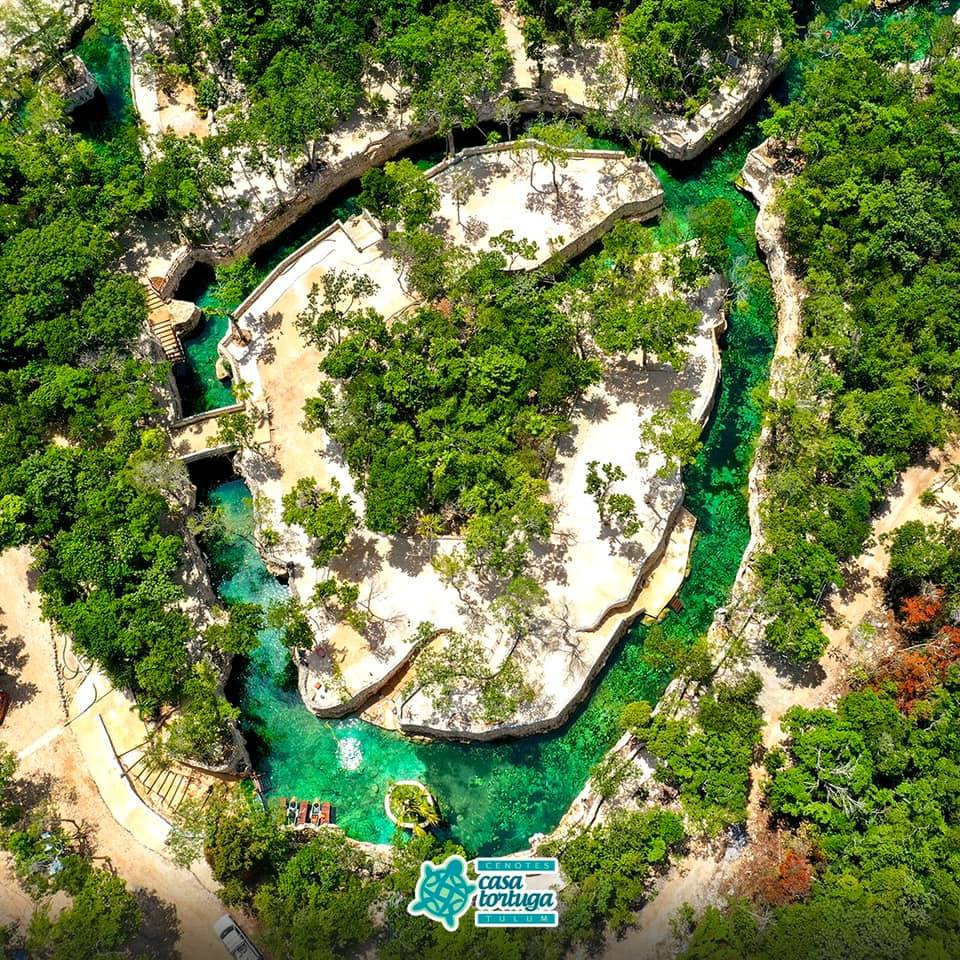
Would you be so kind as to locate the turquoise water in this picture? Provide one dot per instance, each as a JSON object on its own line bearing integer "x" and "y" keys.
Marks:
{"x": 496, "y": 795}
{"x": 107, "y": 59}
{"x": 200, "y": 389}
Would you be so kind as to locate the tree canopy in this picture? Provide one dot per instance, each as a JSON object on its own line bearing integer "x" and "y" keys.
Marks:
{"x": 75, "y": 400}
{"x": 463, "y": 441}
{"x": 870, "y": 224}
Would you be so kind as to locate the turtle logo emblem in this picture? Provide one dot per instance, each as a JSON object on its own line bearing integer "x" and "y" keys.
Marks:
{"x": 444, "y": 893}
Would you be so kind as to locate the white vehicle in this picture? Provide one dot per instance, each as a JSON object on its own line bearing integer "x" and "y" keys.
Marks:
{"x": 234, "y": 940}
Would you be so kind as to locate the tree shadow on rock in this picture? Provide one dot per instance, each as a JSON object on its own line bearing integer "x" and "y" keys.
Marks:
{"x": 409, "y": 555}
{"x": 797, "y": 674}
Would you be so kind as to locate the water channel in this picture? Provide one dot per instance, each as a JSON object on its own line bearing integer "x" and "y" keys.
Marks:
{"x": 495, "y": 796}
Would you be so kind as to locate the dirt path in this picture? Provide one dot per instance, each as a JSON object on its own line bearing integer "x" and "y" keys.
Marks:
{"x": 179, "y": 910}
{"x": 702, "y": 878}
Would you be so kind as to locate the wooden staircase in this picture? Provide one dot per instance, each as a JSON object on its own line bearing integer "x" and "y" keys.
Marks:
{"x": 154, "y": 300}
{"x": 162, "y": 327}
{"x": 162, "y": 786}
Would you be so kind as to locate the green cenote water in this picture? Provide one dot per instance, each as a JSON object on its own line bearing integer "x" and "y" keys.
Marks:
{"x": 108, "y": 61}
{"x": 496, "y": 795}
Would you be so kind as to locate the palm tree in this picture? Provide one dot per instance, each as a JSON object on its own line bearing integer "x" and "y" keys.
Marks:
{"x": 426, "y": 810}
{"x": 950, "y": 476}
{"x": 429, "y": 528}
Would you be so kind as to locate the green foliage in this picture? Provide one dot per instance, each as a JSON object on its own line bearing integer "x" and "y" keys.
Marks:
{"x": 514, "y": 607}
{"x": 239, "y": 634}
{"x": 399, "y": 192}
{"x": 611, "y": 774}
{"x": 921, "y": 553}
{"x": 234, "y": 281}
{"x": 13, "y": 531}
{"x": 203, "y": 731}
{"x": 319, "y": 903}
{"x": 412, "y": 804}
{"x": 465, "y": 439}
{"x": 713, "y": 223}
{"x": 876, "y": 793}
{"x": 610, "y": 868}
{"x": 552, "y": 141}
{"x": 339, "y": 599}
{"x": 673, "y": 433}
{"x": 291, "y": 618}
{"x": 847, "y": 921}
{"x": 235, "y": 430}
{"x": 677, "y": 51}
{"x": 620, "y": 306}
{"x": 97, "y": 918}
{"x": 208, "y": 93}
{"x": 240, "y": 839}
{"x": 467, "y": 435}
{"x": 330, "y": 313}
{"x": 183, "y": 174}
{"x": 461, "y": 664}
{"x": 534, "y": 33}
{"x": 327, "y": 517}
{"x": 869, "y": 222}
{"x": 450, "y": 61}
{"x": 709, "y": 760}
{"x": 304, "y": 72}
{"x": 73, "y": 483}
{"x": 635, "y": 717}
{"x": 618, "y": 508}
{"x": 8, "y": 767}
{"x": 103, "y": 917}
{"x": 40, "y": 851}
{"x": 297, "y": 100}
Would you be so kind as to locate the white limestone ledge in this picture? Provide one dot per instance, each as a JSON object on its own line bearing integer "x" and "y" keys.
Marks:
{"x": 763, "y": 174}
{"x": 683, "y": 139}
{"x": 397, "y": 580}
{"x": 592, "y": 578}
{"x": 257, "y": 207}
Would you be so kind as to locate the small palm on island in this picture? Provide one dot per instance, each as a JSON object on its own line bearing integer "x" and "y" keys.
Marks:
{"x": 412, "y": 806}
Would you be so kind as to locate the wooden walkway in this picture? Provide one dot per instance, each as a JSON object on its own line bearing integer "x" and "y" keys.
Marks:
{"x": 161, "y": 325}
{"x": 163, "y": 787}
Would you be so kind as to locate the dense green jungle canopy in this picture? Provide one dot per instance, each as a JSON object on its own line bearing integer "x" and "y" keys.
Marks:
{"x": 872, "y": 224}
{"x": 868, "y": 790}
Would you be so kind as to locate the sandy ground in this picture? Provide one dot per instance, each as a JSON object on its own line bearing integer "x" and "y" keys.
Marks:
{"x": 511, "y": 188}
{"x": 179, "y": 112}
{"x": 179, "y": 909}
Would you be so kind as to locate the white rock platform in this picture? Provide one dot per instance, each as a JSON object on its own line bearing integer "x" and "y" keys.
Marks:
{"x": 594, "y": 582}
